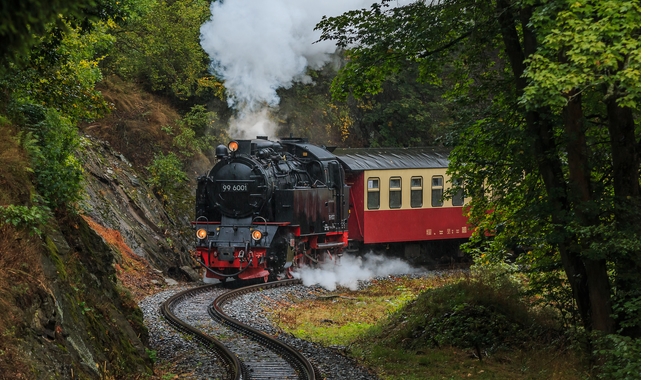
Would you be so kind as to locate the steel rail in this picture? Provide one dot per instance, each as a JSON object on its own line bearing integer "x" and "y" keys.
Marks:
{"x": 230, "y": 361}
{"x": 306, "y": 371}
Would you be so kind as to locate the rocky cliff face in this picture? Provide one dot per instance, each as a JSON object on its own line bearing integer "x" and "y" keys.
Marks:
{"x": 72, "y": 307}
{"x": 68, "y": 298}
{"x": 79, "y": 322}
{"x": 118, "y": 198}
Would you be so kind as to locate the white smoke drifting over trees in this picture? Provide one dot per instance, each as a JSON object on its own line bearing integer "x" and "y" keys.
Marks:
{"x": 258, "y": 46}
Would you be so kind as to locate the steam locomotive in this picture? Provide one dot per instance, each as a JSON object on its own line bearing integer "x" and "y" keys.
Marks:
{"x": 267, "y": 207}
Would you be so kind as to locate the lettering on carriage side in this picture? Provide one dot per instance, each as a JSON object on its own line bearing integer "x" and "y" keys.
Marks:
{"x": 464, "y": 230}
{"x": 429, "y": 232}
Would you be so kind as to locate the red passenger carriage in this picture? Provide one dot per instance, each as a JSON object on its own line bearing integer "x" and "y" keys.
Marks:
{"x": 396, "y": 196}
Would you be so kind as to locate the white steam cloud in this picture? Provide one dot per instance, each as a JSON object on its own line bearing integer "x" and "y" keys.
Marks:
{"x": 252, "y": 124}
{"x": 352, "y": 269}
{"x": 258, "y": 46}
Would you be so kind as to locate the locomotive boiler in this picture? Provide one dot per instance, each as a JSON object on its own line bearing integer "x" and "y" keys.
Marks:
{"x": 267, "y": 207}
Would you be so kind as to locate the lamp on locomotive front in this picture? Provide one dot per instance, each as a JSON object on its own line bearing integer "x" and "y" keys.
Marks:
{"x": 233, "y": 146}
{"x": 201, "y": 234}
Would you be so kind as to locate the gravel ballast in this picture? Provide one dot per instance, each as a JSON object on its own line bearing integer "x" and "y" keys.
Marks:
{"x": 182, "y": 356}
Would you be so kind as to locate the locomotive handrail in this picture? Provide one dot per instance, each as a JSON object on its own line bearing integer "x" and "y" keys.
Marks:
{"x": 259, "y": 217}
{"x": 272, "y": 223}
{"x": 330, "y": 245}
{"x": 259, "y": 223}
{"x": 207, "y": 222}
{"x": 198, "y": 222}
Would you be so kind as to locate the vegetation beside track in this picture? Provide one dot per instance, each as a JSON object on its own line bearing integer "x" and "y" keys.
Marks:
{"x": 438, "y": 327}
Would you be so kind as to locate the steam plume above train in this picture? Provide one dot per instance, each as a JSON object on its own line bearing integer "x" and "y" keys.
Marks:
{"x": 258, "y": 46}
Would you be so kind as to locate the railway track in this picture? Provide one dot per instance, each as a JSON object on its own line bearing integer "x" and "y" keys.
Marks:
{"x": 231, "y": 364}
{"x": 259, "y": 357}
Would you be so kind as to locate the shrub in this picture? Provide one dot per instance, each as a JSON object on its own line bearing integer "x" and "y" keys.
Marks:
{"x": 620, "y": 357}
{"x": 190, "y": 137}
{"x": 30, "y": 218}
{"x": 58, "y": 172}
{"x": 476, "y": 326}
{"x": 471, "y": 313}
{"x": 167, "y": 175}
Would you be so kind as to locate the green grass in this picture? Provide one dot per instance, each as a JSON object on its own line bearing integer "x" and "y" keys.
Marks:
{"x": 393, "y": 327}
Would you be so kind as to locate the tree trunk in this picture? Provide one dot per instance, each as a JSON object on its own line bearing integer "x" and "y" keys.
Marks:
{"x": 626, "y": 166}
{"x": 580, "y": 193}
{"x": 545, "y": 153}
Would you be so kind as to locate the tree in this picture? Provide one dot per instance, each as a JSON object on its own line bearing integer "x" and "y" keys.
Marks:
{"x": 160, "y": 47}
{"x": 551, "y": 160}
{"x": 25, "y": 23}
{"x": 405, "y": 113}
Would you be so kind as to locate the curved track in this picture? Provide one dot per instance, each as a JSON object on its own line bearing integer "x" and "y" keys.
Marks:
{"x": 230, "y": 361}
{"x": 303, "y": 367}
{"x": 264, "y": 358}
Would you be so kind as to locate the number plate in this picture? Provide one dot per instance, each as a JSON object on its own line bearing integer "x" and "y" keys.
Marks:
{"x": 233, "y": 187}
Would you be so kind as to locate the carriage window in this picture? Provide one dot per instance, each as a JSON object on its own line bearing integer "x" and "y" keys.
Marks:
{"x": 416, "y": 192}
{"x": 373, "y": 194}
{"x": 457, "y": 199}
{"x": 395, "y": 192}
{"x": 437, "y": 187}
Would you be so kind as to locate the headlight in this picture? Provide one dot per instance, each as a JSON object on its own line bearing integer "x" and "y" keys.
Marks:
{"x": 256, "y": 235}
{"x": 233, "y": 146}
{"x": 201, "y": 234}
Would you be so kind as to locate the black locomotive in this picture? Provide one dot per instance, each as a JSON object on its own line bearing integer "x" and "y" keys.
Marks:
{"x": 267, "y": 207}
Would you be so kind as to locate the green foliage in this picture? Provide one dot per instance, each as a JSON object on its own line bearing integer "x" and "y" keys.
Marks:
{"x": 32, "y": 218}
{"x": 586, "y": 45}
{"x": 405, "y": 113}
{"x": 307, "y": 110}
{"x": 23, "y": 24}
{"x": 384, "y": 40}
{"x": 475, "y": 326}
{"x": 483, "y": 313}
{"x": 546, "y": 95}
{"x": 58, "y": 172}
{"x": 167, "y": 175}
{"x": 620, "y": 357}
{"x": 153, "y": 354}
{"x": 64, "y": 77}
{"x": 160, "y": 47}
{"x": 190, "y": 133}
{"x": 198, "y": 119}
{"x": 84, "y": 309}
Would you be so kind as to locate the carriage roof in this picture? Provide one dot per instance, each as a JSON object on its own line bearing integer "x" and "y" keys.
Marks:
{"x": 358, "y": 159}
